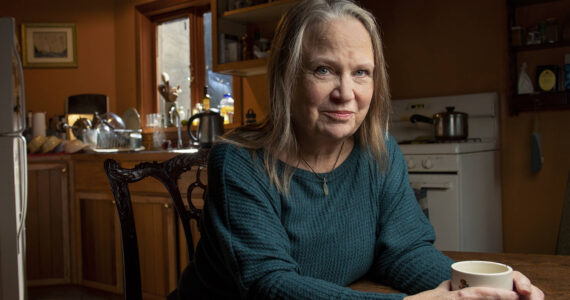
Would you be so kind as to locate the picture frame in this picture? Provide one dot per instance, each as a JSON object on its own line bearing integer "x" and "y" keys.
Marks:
{"x": 49, "y": 45}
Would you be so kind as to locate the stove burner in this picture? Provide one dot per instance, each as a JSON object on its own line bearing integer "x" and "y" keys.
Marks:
{"x": 435, "y": 141}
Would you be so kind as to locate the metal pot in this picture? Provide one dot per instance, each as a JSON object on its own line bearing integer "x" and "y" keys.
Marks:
{"x": 79, "y": 127}
{"x": 210, "y": 126}
{"x": 448, "y": 125}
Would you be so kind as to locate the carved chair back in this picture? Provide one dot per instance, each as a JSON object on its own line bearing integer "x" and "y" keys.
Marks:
{"x": 167, "y": 173}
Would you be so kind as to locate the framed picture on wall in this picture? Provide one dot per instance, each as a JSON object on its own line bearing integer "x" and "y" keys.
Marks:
{"x": 49, "y": 45}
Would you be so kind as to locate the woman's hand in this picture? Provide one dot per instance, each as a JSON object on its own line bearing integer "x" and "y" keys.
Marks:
{"x": 523, "y": 290}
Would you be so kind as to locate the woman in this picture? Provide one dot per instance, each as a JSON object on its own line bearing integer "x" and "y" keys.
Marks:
{"x": 317, "y": 196}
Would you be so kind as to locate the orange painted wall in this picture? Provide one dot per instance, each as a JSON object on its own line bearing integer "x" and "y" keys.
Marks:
{"x": 47, "y": 88}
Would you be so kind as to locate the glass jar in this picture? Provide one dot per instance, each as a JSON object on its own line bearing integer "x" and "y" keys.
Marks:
{"x": 227, "y": 108}
{"x": 551, "y": 30}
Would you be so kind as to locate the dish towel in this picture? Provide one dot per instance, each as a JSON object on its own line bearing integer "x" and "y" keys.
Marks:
{"x": 421, "y": 197}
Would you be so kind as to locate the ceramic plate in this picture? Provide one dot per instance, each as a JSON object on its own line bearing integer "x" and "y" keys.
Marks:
{"x": 132, "y": 119}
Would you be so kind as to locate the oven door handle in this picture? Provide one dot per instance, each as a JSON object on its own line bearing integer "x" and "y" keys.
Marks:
{"x": 431, "y": 185}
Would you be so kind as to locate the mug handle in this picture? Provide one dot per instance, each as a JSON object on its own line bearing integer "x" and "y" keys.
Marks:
{"x": 189, "y": 126}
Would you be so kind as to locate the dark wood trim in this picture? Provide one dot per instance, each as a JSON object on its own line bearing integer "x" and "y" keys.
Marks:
{"x": 146, "y": 67}
{"x": 165, "y": 6}
{"x": 197, "y": 57}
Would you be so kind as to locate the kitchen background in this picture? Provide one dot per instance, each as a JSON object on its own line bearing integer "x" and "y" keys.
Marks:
{"x": 433, "y": 48}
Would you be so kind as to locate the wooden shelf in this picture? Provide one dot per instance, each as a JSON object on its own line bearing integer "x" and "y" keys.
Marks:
{"x": 541, "y": 101}
{"x": 541, "y": 46}
{"x": 238, "y": 22}
{"x": 259, "y": 13}
{"x": 520, "y": 3}
{"x": 243, "y": 68}
{"x": 538, "y": 101}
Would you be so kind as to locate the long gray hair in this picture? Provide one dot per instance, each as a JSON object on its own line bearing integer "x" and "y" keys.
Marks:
{"x": 275, "y": 133}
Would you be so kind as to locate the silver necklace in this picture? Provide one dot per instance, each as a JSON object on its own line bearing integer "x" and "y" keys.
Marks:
{"x": 324, "y": 178}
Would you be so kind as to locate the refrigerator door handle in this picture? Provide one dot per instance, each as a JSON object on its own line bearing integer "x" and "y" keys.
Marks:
{"x": 21, "y": 141}
{"x": 22, "y": 100}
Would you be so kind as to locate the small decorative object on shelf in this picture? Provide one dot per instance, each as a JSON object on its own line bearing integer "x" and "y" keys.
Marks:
{"x": 250, "y": 117}
{"x": 547, "y": 78}
{"x": 551, "y": 31}
{"x": 516, "y": 36}
{"x": 524, "y": 84}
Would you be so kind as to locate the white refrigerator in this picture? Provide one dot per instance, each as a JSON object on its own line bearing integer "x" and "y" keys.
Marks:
{"x": 13, "y": 166}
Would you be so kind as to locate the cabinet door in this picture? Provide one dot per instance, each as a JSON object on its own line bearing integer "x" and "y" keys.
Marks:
{"x": 155, "y": 223}
{"x": 101, "y": 250}
{"x": 99, "y": 242}
{"x": 47, "y": 224}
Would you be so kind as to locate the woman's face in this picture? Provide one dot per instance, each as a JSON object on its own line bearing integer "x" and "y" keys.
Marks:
{"x": 335, "y": 87}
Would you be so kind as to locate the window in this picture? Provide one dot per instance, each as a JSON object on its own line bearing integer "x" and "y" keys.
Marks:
{"x": 175, "y": 44}
{"x": 218, "y": 84}
{"x": 173, "y": 67}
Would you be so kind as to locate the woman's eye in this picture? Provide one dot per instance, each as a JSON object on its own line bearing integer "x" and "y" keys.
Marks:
{"x": 322, "y": 70}
{"x": 362, "y": 73}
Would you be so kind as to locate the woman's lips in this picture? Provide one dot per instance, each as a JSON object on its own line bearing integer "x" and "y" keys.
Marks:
{"x": 339, "y": 114}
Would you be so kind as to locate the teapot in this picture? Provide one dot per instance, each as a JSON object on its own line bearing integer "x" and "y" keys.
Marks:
{"x": 210, "y": 126}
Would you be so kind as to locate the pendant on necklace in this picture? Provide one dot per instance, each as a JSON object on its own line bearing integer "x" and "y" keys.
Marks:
{"x": 325, "y": 187}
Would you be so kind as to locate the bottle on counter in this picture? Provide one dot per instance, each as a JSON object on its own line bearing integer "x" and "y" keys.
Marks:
{"x": 227, "y": 108}
{"x": 196, "y": 110}
{"x": 206, "y": 100}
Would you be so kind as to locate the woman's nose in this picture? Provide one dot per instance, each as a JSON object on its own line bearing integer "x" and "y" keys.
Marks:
{"x": 344, "y": 90}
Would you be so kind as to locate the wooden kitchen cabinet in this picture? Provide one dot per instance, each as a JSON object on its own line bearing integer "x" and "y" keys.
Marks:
{"x": 99, "y": 262}
{"x": 101, "y": 254}
{"x": 230, "y": 25}
{"x": 47, "y": 223}
{"x": 524, "y": 14}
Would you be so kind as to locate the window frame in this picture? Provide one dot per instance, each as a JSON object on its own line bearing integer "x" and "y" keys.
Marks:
{"x": 147, "y": 17}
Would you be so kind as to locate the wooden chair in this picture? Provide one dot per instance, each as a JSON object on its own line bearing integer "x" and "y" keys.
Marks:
{"x": 167, "y": 173}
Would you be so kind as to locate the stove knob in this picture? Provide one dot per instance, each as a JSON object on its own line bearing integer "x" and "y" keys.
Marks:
{"x": 411, "y": 163}
{"x": 427, "y": 164}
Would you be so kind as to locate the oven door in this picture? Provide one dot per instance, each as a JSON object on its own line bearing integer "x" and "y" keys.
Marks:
{"x": 438, "y": 194}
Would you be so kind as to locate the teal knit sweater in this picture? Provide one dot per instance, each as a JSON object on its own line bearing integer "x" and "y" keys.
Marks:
{"x": 259, "y": 244}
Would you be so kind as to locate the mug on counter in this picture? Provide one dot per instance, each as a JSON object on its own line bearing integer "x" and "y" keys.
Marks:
{"x": 476, "y": 273}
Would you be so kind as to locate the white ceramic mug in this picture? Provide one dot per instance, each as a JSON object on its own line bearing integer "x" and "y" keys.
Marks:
{"x": 476, "y": 273}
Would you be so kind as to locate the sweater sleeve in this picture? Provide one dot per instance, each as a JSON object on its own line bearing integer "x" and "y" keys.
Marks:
{"x": 405, "y": 255}
{"x": 243, "y": 217}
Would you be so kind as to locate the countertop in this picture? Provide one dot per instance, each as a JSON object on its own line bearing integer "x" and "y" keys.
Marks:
{"x": 147, "y": 155}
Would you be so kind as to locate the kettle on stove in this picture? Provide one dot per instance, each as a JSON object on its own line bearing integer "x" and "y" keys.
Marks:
{"x": 210, "y": 126}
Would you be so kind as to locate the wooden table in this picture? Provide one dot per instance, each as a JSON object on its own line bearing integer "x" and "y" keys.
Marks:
{"x": 550, "y": 273}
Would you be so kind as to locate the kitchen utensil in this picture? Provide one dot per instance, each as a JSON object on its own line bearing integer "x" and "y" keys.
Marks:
{"x": 210, "y": 126}
{"x": 79, "y": 127}
{"x": 448, "y": 125}
{"x": 132, "y": 119}
{"x": 109, "y": 119}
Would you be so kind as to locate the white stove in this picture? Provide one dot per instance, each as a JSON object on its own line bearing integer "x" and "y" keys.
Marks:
{"x": 456, "y": 182}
